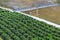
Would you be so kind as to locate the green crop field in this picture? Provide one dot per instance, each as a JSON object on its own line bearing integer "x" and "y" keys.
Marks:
{"x": 16, "y": 26}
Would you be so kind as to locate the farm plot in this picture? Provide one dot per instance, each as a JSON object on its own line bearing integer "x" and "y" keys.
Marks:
{"x": 16, "y": 26}
{"x": 50, "y": 13}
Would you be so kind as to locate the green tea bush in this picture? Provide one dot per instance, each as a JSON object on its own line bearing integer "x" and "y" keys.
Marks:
{"x": 16, "y": 26}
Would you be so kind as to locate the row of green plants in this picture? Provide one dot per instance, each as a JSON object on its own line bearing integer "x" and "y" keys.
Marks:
{"x": 16, "y": 26}
{"x": 50, "y": 38}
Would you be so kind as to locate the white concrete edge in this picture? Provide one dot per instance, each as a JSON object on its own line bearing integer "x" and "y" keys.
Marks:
{"x": 34, "y": 8}
{"x": 39, "y": 19}
{"x": 7, "y": 9}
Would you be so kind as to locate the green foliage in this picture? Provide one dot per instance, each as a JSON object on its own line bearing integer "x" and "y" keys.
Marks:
{"x": 16, "y": 26}
{"x": 50, "y": 37}
{"x": 36, "y": 38}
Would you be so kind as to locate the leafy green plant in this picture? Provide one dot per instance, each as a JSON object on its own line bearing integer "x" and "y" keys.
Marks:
{"x": 50, "y": 37}
{"x": 16, "y": 26}
{"x": 36, "y": 38}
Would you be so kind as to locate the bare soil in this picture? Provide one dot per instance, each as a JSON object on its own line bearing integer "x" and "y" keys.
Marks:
{"x": 51, "y": 14}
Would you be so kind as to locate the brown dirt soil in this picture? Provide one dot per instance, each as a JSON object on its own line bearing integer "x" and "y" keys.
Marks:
{"x": 51, "y": 14}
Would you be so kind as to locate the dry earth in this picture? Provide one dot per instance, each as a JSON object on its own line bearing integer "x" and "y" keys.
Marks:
{"x": 51, "y": 14}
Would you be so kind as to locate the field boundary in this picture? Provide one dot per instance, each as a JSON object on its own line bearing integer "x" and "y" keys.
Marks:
{"x": 39, "y": 19}
{"x": 35, "y": 8}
